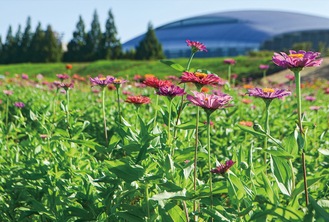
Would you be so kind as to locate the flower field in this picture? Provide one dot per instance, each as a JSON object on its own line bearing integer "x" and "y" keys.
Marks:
{"x": 194, "y": 148}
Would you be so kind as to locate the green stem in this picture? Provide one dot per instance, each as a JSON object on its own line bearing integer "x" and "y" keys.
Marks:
{"x": 169, "y": 122}
{"x": 147, "y": 203}
{"x": 189, "y": 61}
{"x": 229, "y": 74}
{"x": 67, "y": 109}
{"x": 7, "y": 111}
{"x": 300, "y": 126}
{"x": 104, "y": 115}
{"x": 266, "y": 126}
{"x": 118, "y": 100}
{"x": 209, "y": 159}
{"x": 196, "y": 154}
{"x": 156, "y": 110}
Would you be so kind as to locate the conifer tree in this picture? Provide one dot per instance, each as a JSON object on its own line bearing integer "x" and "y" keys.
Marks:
{"x": 16, "y": 49}
{"x": 149, "y": 47}
{"x": 76, "y": 46}
{"x": 25, "y": 55}
{"x": 8, "y": 46}
{"x": 93, "y": 41}
{"x": 37, "y": 47}
{"x": 111, "y": 46}
{"x": 1, "y": 51}
{"x": 52, "y": 46}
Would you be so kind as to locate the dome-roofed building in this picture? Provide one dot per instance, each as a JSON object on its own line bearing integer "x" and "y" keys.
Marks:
{"x": 238, "y": 32}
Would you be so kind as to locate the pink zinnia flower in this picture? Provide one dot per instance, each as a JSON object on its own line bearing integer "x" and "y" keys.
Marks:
{"x": 25, "y": 76}
{"x": 8, "y": 92}
{"x": 62, "y": 76}
{"x": 101, "y": 81}
{"x": 229, "y": 61}
{"x": 223, "y": 168}
{"x": 209, "y": 101}
{"x": 310, "y": 98}
{"x": 119, "y": 81}
{"x": 19, "y": 104}
{"x": 65, "y": 86}
{"x": 170, "y": 91}
{"x": 268, "y": 93}
{"x": 156, "y": 83}
{"x": 326, "y": 91}
{"x": 316, "y": 108}
{"x": 291, "y": 77}
{"x": 138, "y": 100}
{"x": 263, "y": 67}
{"x": 196, "y": 46}
{"x": 201, "y": 78}
{"x": 298, "y": 59}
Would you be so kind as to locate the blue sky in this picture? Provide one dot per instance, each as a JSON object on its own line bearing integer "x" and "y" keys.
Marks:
{"x": 132, "y": 16}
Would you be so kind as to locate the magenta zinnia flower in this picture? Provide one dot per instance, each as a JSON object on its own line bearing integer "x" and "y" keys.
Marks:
{"x": 223, "y": 168}
{"x": 19, "y": 104}
{"x": 201, "y": 78}
{"x": 268, "y": 93}
{"x": 229, "y": 61}
{"x": 138, "y": 100}
{"x": 209, "y": 101}
{"x": 298, "y": 59}
{"x": 170, "y": 91}
{"x": 102, "y": 81}
{"x": 62, "y": 76}
{"x": 156, "y": 83}
{"x": 263, "y": 67}
{"x": 196, "y": 46}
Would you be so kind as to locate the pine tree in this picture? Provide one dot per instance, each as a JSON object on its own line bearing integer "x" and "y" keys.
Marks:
{"x": 149, "y": 47}
{"x": 111, "y": 46}
{"x": 76, "y": 46}
{"x": 26, "y": 43}
{"x": 92, "y": 51}
{"x": 16, "y": 49}
{"x": 52, "y": 46}
{"x": 37, "y": 47}
{"x": 8, "y": 46}
{"x": 1, "y": 52}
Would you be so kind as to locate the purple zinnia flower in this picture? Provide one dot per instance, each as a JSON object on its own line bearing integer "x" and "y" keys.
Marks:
{"x": 209, "y": 102}
{"x": 25, "y": 76}
{"x": 223, "y": 168}
{"x": 268, "y": 93}
{"x": 310, "y": 98}
{"x": 62, "y": 76}
{"x": 298, "y": 59}
{"x": 19, "y": 104}
{"x": 170, "y": 91}
{"x": 102, "y": 81}
{"x": 196, "y": 46}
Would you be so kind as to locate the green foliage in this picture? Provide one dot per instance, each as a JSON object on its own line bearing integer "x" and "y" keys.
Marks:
{"x": 149, "y": 47}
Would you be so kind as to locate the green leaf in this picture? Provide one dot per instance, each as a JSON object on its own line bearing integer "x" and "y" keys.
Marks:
{"x": 251, "y": 130}
{"x": 282, "y": 174}
{"x": 278, "y": 152}
{"x": 168, "y": 195}
{"x": 173, "y": 65}
{"x": 217, "y": 216}
{"x": 290, "y": 144}
{"x": 128, "y": 216}
{"x": 125, "y": 171}
{"x": 324, "y": 151}
{"x": 176, "y": 213}
{"x": 268, "y": 189}
{"x": 320, "y": 213}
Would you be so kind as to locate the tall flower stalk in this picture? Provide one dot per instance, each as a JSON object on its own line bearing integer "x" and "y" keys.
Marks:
{"x": 296, "y": 61}
{"x": 267, "y": 94}
{"x": 209, "y": 103}
{"x": 103, "y": 82}
{"x": 230, "y": 63}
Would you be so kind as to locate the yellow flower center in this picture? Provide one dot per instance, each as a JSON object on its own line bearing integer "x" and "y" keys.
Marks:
{"x": 117, "y": 81}
{"x": 268, "y": 90}
{"x": 299, "y": 56}
{"x": 102, "y": 78}
{"x": 200, "y": 75}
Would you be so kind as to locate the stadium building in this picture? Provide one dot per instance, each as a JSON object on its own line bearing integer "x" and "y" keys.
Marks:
{"x": 238, "y": 32}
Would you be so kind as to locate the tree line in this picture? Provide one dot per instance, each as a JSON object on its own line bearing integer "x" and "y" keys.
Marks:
{"x": 45, "y": 46}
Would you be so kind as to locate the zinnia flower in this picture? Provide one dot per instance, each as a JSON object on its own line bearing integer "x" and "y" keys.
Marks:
{"x": 68, "y": 66}
{"x": 263, "y": 67}
{"x": 170, "y": 91}
{"x": 138, "y": 100}
{"x": 156, "y": 83}
{"x": 25, "y": 76}
{"x": 223, "y": 168}
{"x": 101, "y": 81}
{"x": 290, "y": 77}
{"x": 268, "y": 93}
{"x": 209, "y": 101}
{"x": 8, "y": 92}
{"x": 310, "y": 98}
{"x": 19, "y": 104}
{"x": 200, "y": 78}
{"x": 229, "y": 61}
{"x": 196, "y": 46}
{"x": 246, "y": 123}
{"x": 62, "y": 76}
{"x": 316, "y": 108}
{"x": 298, "y": 59}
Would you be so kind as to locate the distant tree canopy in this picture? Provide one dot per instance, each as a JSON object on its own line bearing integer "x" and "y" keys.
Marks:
{"x": 149, "y": 48}
{"x": 44, "y": 46}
